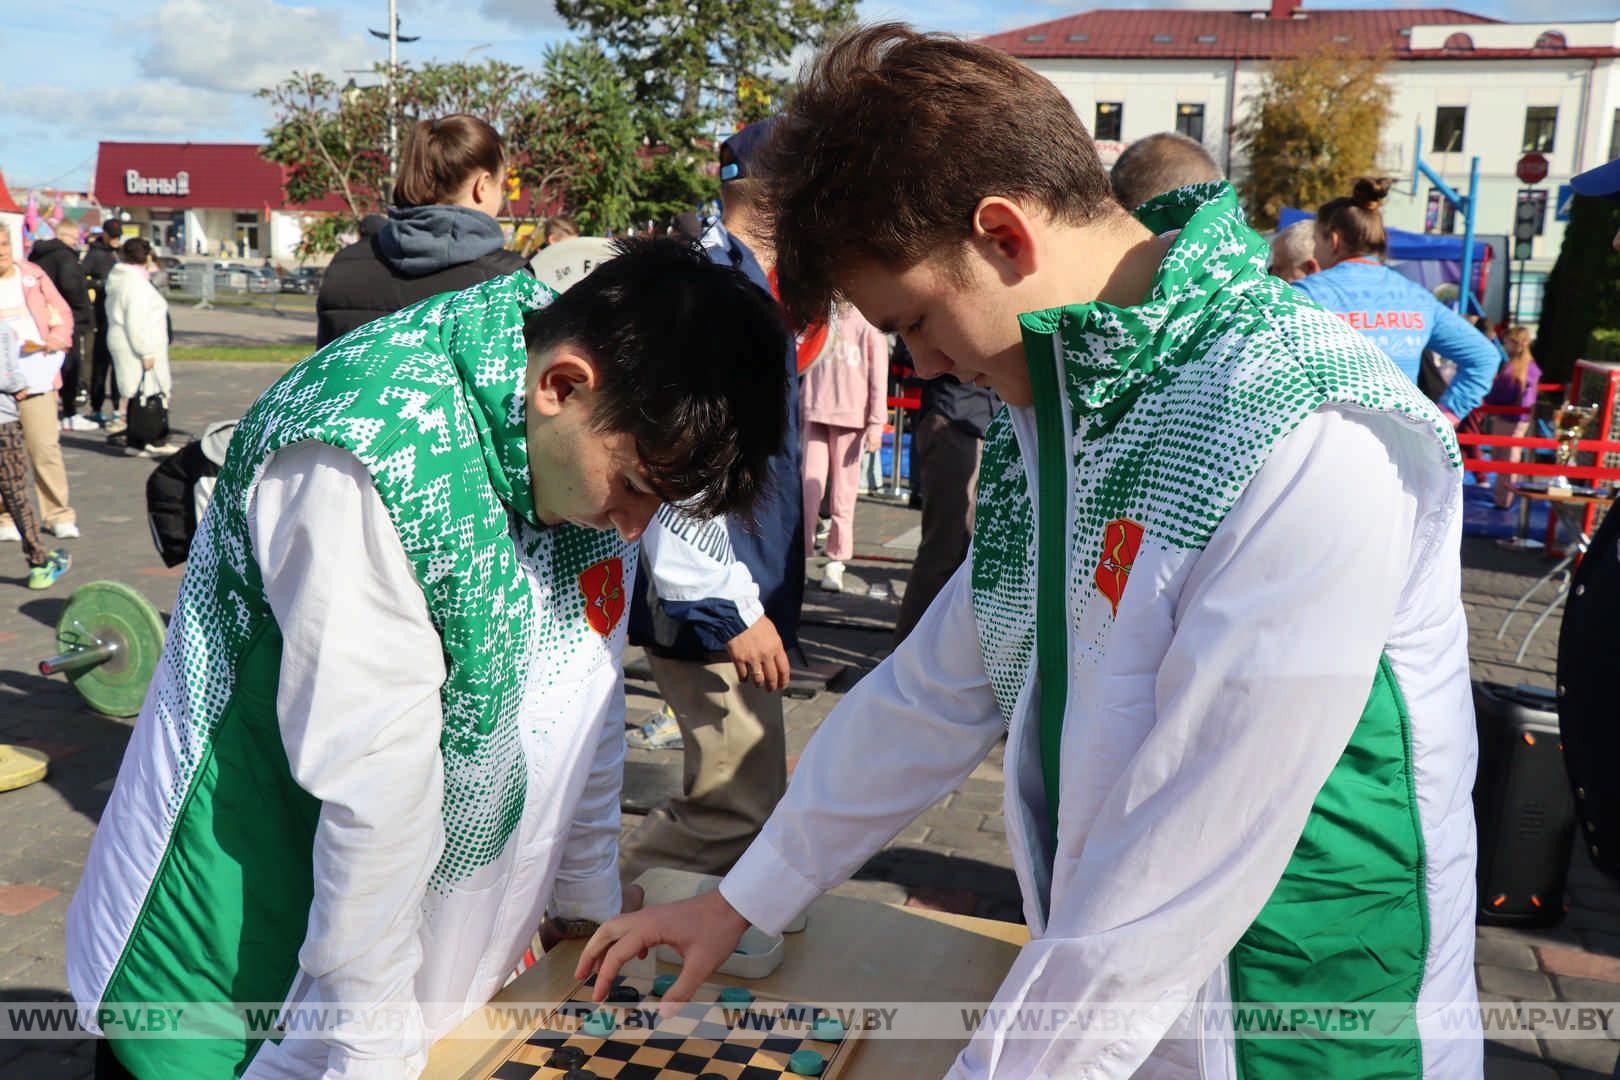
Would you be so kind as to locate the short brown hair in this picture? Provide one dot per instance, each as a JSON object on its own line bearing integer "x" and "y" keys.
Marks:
{"x": 1357, "y": 217}
{"x": 441, "y": 155}
{"x": 1160, "y": 163}
{"x": 894, "y": 137}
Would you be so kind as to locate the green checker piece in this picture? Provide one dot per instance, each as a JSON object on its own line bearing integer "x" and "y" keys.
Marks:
{"x": 599, "y": 1025}
{"x": 736, "y": 995}
{"x": 806, "y": 1063}
{"x": 120, "y": 616}
{"x": 662, "y": 983}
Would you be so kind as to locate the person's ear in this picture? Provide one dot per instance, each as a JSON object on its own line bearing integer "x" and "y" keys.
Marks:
{"x": 1311, "y": 266}
{"x": 564, "y": 373}
{"x": 1006, "y": 237}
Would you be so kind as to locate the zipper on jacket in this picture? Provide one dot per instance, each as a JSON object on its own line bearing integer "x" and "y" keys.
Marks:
{"x": 1043, "y": 358}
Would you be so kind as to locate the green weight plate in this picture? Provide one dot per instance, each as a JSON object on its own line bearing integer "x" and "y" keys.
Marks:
{"x": 113, "y": 612}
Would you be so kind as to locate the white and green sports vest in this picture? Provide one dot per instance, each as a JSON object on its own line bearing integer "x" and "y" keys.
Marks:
{"x": 1148, "y": 424}
{"x": 199, "y": 884}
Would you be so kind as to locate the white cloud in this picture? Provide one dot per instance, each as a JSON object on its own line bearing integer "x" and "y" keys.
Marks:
{"x": 536, "y": 16}
{"x": 243, "y": 45}
{"x": 145, "y": 108}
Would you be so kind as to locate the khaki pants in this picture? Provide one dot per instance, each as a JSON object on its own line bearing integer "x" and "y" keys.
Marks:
{"x": 42, "y": 434}
{"x": 736, "y": 771}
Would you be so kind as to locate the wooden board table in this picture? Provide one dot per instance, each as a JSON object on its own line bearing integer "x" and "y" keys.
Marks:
{"x": 856, "y": 951}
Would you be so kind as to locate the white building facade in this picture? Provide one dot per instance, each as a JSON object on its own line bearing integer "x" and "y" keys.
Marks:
{"x": 1473, "y": 86}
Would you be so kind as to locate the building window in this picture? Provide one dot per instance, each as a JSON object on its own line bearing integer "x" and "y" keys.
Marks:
{"x": 1110, "y": 118}
{"x": 1448, "y": 129}
{"x": 1206, "y": 39}
{"x": 1161, "y": 39}
{"x": 1079, "y": 39}
{"x": 1190, "y": 121}
{"x": 1540, "y": 126}
{"x": 1459, "y": 42}
{"x": 1035, "y": 37}
{"x": 1551, "y": 39}
{"x": 1614, "y": 137}
{"x": 1441, "y": 216}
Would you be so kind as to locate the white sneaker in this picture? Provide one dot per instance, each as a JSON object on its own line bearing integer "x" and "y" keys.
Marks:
{"x": 832, "y": 576}
{"x": 9, "y": 532}
{"x": 162, "y": 451}
{"x": 80, "y": 423}
{"x": 67, "y": 530}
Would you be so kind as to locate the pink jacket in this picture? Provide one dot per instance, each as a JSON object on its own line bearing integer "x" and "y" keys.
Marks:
{"x": 41, "y": 299}
{"x": 849, "y": 387}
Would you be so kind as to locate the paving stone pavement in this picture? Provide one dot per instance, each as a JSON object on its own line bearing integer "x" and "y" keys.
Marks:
{"x": 953, "y": 857}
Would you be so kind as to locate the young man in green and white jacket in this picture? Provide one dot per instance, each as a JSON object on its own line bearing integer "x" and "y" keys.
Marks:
{"x": 1213, "y": 601}
{"x": 386, "y": 734}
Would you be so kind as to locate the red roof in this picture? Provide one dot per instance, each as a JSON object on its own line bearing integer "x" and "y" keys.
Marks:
{"x": 196, "y": 176}
{"x": 8, "y": 205}
{"x": 1233, "y": 35}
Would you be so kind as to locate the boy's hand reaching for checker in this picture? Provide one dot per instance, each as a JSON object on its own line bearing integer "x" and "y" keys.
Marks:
{"x": 704, "y": 930}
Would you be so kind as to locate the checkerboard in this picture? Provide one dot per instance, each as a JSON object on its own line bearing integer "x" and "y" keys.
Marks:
{"x": 708, "y": 1039}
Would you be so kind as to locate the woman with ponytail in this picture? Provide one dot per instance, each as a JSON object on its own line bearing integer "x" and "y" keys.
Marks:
{"x": 441, "y": 234}
{"x": 1400, "y": 316}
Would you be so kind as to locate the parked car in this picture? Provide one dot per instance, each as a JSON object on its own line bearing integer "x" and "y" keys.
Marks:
{"x": 163, "y": 276}
{"x": 305, "y": 279}
{"x": 262, "y": 279}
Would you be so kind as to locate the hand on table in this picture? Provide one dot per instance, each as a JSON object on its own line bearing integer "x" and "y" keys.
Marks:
{"x": 760, "y": 656}
{"x": 704, "y": 930}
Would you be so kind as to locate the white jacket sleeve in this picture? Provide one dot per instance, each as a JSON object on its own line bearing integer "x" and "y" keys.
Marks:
{"x": 358, "y": 704}
{"x": 691, "y": 561}
{"x": 1278, "y": 632}
{"x": 907, "y": 735}
{"x": 587, "y": 882}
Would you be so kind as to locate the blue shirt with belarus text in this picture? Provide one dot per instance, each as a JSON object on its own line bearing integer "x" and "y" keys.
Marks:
{"x": 1403, "y": 318}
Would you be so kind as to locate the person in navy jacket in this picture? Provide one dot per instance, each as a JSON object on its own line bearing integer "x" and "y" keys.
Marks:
{"x": 1399, "y": 315}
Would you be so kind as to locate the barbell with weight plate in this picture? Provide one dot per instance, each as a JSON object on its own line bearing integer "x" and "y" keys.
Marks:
{"x": 110, "y": 637}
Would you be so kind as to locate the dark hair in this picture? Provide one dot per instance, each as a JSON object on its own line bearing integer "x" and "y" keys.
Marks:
{"x": 135, "y": 250}
{"x": 1356, "y": 218}
{"x": 1160, "y": 163}
{"x": 692, "y": 360}
{"x": 111, "y": 230}
{"x": 891, "y": 141}
{"x": 440, "y": 155}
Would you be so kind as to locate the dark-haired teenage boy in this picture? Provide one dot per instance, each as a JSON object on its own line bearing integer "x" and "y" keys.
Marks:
{"x": 386, "y": 733}
{"x": 1239, "y": 737}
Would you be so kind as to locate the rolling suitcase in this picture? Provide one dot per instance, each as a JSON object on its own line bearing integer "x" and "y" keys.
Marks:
{"x": 1522, "y": 806}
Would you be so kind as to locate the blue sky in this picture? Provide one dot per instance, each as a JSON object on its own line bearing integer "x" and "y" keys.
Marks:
{"x": 86, "y": 70}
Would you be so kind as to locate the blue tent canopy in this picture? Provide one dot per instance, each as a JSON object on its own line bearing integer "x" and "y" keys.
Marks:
{"x": 1405, "y": 245}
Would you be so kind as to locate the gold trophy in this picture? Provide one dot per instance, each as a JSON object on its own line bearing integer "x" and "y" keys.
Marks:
{"x": 1570, "y": 420}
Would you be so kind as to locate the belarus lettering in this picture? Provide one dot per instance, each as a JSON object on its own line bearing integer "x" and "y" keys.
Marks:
{"x": 1383, "y": 320}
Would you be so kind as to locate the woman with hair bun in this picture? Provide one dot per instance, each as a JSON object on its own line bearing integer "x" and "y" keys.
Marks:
{"x": 1399, "y": 315}
{"x": 441, "y": 234}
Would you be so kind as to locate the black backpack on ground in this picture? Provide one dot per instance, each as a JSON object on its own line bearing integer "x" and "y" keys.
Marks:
{"x": 1588, "y": 703}
{"x": 178, "y": 491}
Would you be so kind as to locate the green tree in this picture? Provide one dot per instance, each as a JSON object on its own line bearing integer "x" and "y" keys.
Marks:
{"x": 332, "y": 138}
{"x": 698, "y": 69}
{"x": 1310, "y": 129}
{"x": 1583, "y": 290}
{"x": 577, "y": 143}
